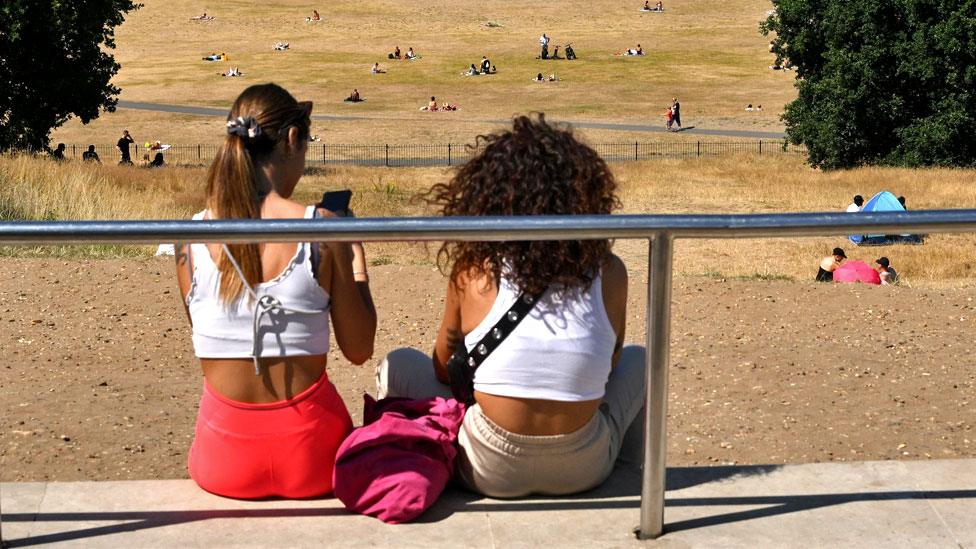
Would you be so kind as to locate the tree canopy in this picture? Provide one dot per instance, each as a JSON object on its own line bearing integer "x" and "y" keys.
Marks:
{"x": 888, "y": 82}
{"x": 55, "y": 64}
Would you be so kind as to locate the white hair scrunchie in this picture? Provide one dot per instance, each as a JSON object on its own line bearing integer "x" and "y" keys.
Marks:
{"x": 244, "y": 127}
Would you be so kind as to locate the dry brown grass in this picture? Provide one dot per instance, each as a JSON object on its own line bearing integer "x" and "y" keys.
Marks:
{"x": 707, "y": 52}
{"x": 39, "y": 189}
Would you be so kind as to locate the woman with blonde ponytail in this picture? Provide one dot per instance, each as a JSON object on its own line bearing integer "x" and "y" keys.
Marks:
{"x": 270, "y": 421}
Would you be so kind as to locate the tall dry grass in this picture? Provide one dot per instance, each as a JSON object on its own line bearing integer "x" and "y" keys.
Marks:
{"x": 35, "y": 188}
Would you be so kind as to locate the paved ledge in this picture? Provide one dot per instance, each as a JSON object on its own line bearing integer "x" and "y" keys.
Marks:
{"x": 870, "y": 504}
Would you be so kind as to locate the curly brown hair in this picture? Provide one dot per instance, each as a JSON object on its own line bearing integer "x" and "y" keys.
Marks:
{"x": 534, "y": 169}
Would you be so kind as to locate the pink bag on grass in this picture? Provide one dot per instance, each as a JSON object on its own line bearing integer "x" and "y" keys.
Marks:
{"x": 397, "y": 464}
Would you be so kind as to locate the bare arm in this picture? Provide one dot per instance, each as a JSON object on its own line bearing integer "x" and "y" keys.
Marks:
{"x": 353, "y": 312}
{"x": 615, "y": 300}
{"x": 183, "y": 275}
{"x": 449, "y": 336}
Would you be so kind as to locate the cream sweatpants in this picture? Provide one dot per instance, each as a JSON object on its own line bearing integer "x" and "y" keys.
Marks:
{"x": 499, "y": 463}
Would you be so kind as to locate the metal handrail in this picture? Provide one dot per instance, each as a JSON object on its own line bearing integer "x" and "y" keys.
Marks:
{"x": 659, "y": 230}
{"x": 485, "y": 228}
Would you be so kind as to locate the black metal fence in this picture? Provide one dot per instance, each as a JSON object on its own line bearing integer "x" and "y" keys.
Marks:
{"x": 450, "y": 154}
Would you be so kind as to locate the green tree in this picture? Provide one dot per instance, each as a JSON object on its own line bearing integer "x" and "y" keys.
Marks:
{"x": 889, "y": 82}
{"x": 55, "y": 64}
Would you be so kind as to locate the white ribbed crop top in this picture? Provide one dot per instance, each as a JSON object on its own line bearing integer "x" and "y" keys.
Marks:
{"x": 561, "y": 351}
{"x": 290, "y": 316}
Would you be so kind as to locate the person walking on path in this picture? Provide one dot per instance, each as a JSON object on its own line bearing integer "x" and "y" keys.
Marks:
{"x": 676, "y": 113}
{"x": 123, "y": 147}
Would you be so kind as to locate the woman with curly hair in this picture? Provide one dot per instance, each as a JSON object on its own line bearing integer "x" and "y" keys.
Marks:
{"x": 270, "y": 421}
{"x": 555, "y": 398}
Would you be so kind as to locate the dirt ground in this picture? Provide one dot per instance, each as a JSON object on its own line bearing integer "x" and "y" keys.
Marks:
{"x": 100, "y": 381}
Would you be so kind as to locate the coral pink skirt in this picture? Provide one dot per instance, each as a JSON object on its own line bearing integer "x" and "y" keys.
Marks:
{"x": 279, "y": 449}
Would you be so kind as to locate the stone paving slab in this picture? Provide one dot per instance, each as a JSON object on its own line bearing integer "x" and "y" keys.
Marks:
{"x": 869, "y": 504}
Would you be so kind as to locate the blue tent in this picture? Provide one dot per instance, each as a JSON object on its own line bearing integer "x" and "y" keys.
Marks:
{"x": 883, "y": 202}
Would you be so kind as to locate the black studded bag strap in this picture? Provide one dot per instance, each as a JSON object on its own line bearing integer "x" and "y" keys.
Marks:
{"x": 462, "y": 364}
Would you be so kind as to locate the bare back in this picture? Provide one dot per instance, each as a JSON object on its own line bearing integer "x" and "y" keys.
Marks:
{"x": 467, "y": 306}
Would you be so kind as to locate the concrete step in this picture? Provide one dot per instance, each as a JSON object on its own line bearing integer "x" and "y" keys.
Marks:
{"x": 868, "y": 504}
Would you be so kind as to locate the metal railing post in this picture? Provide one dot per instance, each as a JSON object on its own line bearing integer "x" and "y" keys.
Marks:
{"x": 448, "y": 154}
{"x": 656, "y": 406}
{"x": 387, "y": 155}
{"x": 635, "y": 150}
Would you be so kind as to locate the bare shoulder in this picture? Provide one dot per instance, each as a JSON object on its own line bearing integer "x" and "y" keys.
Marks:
{"x": 614, "y": 271}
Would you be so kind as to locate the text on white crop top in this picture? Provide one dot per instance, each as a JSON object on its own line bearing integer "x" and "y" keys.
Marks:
{"x": 561, "y": 351}
{"x": 289, "y": 318}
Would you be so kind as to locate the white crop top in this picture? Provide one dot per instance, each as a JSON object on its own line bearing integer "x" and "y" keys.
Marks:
{"x": 290, "y": 316}
{"x": 561, "y": 351}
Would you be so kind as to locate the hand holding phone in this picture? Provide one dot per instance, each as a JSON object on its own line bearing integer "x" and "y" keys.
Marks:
{"x": 337, "y": 202}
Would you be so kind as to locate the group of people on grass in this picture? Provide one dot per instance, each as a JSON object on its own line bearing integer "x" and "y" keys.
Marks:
{"x": 484, "y": 67}
{"x": 409, "y": 56}
{"x": 554, "y": 404}
{"x": 432, "y": 106}
{"x": 830, "y": 264}
{"x": 658, "y": 7}
{"x": 544, "y": 50}
{"x": 122, "y": 145}
{"x": 857, "y": 204}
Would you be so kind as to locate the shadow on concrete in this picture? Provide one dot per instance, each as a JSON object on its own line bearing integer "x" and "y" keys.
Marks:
{"x": 781, "y": 505}
{"x": 621, "y": 491}
{"x": 142, "y": 520}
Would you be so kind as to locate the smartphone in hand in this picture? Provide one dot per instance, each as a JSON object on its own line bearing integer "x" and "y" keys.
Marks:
{"x": 336, "y": 202}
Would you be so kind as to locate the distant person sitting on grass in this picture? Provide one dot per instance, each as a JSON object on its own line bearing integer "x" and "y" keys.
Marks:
{"x": 635, "y": 51}
{"x": 395, "y": 54}
{"x": 485, "y": 65}
{"x": 376, "y": 69}
{"x": 830, "y": 264}
{"x": 353, "y": 97}
{"x": 856, "y": 205}
{"x": 280, "y": 46}
{"x": 432, "y": 106}
{"x": 570, "y": 53}
{"x": 555, "y": 53}
{"x": 887, "y": 273}
{"x": 58, "y": 153}
{"x": 539, "y": 78}
{"x": 157, "y": 161}
{"x": 90, "y": 155}
{"x": 472, "y": 71}
{"x": 411, "y": 55}
{"x": 314, "y": 18}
